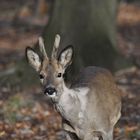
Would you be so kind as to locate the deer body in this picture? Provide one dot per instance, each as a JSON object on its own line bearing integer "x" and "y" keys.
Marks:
{"x": 89, "y": 103}
{"x": 90, "y": 106}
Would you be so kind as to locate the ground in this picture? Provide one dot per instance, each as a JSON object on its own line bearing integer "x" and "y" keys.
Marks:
{"x": 25, "y": 112}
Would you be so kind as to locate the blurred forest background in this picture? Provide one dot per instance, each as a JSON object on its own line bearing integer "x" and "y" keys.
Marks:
{"x": 24, "y": 110}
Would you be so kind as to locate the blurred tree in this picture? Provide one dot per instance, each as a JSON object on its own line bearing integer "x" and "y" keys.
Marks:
{"x": 90, "y": 26}
{"x": 131, "y": 1}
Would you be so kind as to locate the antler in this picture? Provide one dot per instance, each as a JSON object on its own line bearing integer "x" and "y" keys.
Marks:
{"x": 42, "y": 47}
{"x": 56, "y": 45}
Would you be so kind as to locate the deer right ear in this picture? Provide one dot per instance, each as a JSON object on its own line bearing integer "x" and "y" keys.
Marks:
{"x": 65, "y": 56}
{"x": 33, "y": 58}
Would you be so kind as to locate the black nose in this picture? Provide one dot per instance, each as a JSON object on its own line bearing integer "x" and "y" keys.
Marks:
{"x": 50, "y": 90}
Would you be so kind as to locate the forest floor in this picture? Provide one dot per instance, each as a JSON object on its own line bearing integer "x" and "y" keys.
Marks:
{"x": 25, "y": 112}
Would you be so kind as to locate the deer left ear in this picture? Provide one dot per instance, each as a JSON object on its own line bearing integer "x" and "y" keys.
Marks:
{"x": 65, "y": 56}
{"x": 33, "y": 58}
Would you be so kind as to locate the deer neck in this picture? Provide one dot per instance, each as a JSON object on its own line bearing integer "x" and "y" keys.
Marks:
{"x": 73, "y": 101}
{"x": 70, "y": 97}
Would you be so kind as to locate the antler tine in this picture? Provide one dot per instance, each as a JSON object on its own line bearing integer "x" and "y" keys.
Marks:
{"x": 42, "y": 47}
{"x": 56, "y": 45}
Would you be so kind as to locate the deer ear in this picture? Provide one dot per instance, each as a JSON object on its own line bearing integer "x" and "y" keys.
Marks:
{"x": 33, "y": 58}
{"x": 65, "y": 56}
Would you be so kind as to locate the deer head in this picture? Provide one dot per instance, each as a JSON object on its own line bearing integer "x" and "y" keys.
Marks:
{"x": 51, "y": 70}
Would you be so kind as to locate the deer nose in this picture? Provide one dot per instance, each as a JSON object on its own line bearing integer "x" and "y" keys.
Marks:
{"x": 50, "y": 90}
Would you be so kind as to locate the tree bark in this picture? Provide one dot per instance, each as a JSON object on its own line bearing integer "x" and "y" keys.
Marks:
{"x": 90, "y": 26}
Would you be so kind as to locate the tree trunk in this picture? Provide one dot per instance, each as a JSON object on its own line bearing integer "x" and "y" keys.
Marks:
{"x": 90, "y": 26}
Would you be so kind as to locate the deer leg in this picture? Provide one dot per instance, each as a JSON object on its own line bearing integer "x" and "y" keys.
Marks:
{"x": 68, "y": 137}
{"x": 71, "y": 136}
{"x": 110, "y": 135}
{"x": 103, "y": 136}
{"x": 98, "y": 134}
{"x": 95, "y": 135}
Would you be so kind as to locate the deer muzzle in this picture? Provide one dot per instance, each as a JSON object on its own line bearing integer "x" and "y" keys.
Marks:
{"x": 50, "y": 91}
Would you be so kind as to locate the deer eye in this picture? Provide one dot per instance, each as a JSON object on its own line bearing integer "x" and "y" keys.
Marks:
{"x": 59, "y": 75}
{"x": 41, "y": 76}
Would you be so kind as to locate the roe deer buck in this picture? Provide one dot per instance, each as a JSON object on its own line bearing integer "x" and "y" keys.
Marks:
{"x": 90, "y": 106}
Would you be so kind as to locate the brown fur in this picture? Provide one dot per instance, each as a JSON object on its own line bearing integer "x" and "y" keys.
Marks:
{"x": 91, "y": 106}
